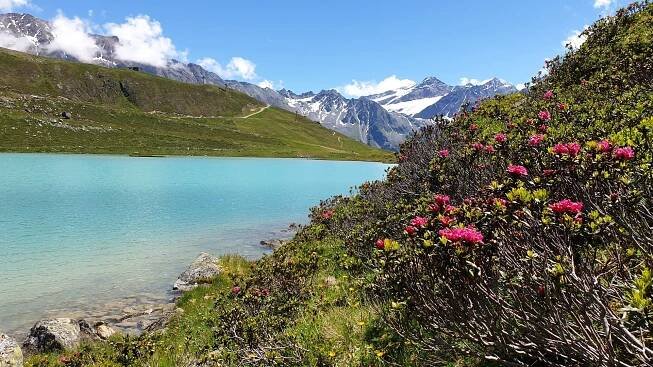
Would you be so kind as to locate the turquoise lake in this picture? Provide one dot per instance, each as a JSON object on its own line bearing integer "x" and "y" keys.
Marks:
{"x": 80, "y": 230}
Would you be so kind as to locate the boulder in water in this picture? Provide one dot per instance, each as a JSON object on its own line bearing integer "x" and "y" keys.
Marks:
{"x": 57, "y": 334}
{"x": 203, "y": 270}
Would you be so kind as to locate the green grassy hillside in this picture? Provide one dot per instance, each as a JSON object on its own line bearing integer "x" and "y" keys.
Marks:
{"x": 128, "y": 112}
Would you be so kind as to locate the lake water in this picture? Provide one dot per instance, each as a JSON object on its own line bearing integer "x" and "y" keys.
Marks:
{"x": 80, "y": 230}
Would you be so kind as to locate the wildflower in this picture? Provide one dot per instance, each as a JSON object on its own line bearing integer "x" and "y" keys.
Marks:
{"x": 410, "y": 230}
{"x": 535, "y": 140}
{"x": 477, "y": 146}
{"x": 469, "y": 235}
{"x": 327, "y": 214}
{"x": 444, "y": 153}
{"x": 544, "y": 115}
{"x": 450, "y": 209}
{"x": 441, "y": 200}
{"x": 380, "y": 244}
{"x": 500, "y": 138}
{"x": 517, "y": 170}
{"x": 543, "y": 128}
{"x": 445, "y": 220}
{"x": 489, "y": 149}
{"x": 419, "y": 222}
{"x": 562, "y": 106}
{"x": 570, "y": 149}
{"x": 604, "y": 146}
{"x": 567, "y": 206}
{"x": 624, "y": 154}
{"x": 548, "y": 95}
{"x": 235, "y": 290}
{"x": 473, "y": 127}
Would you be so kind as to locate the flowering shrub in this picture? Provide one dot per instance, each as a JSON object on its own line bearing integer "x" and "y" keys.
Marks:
{"x": 544, "y": 115}
{"x": 624, "y": 154}
{"x": 517, "y": 170}
{"x": 570, "y": 149}
{"x": 567, "y": 206}
{"x": 467, "y": 235}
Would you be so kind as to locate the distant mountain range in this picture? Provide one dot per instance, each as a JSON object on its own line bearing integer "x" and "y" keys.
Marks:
{"x": 381, "y": 120}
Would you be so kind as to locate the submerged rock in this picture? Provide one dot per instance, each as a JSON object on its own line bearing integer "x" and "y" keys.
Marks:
{"x": 58, "y": 334}
{"x": 202, "y": 270}
{"x": 10, "y": 353}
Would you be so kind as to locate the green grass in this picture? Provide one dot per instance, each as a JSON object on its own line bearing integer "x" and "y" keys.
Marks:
{"x": 126, "y": 112}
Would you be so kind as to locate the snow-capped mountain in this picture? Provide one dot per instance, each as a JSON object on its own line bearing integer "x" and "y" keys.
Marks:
{"x": 433, "y": 97}
{"x": 359, "y": 118}
{"x": 30, "y": 34}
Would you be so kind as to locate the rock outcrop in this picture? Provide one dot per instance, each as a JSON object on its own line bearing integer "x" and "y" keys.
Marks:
{"x": 58, "y": 334}
{"x": 201, "y": 271}
{"x": 10, "y": 353}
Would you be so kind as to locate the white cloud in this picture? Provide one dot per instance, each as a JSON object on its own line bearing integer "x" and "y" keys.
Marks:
{"x": 142, "y": 41}
{"x": 602, "y": 3}
{"x": 357, "y": 88}
{"x": 22, "y": 44}
{"x": 9, "y": 5}
{"x": 266, "y": 84}
{"x": 575, "y": 39}
{"x": 238, "y": 67}
{"x": 472, "y": 81}
{"x": 520, "y": 86}
{"x": 71, "y": 35}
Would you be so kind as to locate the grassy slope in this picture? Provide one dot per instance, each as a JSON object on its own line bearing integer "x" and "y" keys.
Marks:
{"x": 124, "y": 112}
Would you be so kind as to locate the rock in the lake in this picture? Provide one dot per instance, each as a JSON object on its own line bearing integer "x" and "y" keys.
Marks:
{"x": 104, "y": 331}
{"x": 57, "y": 334}
{"x": 202, "y": 270}
{"x": 10, "y": 353}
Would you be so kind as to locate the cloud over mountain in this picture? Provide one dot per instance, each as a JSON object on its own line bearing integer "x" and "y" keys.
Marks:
{"x": 365, "y": 88}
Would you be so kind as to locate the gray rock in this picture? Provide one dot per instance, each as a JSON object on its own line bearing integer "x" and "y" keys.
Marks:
{"x": 203, "y": 270}
{"x": 104, "y": 331}
{"x": 57, "y": 334}
{"x": 10, "y": 353}
{"x": 273, "y": 244}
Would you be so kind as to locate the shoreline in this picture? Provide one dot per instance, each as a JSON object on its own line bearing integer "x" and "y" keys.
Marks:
{"x": 134, "y": 314}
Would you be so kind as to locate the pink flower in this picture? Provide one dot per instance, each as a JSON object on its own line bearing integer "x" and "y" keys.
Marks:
{"x": 548, "y": 95}
{"x": 469, "y": 235}
{"x": 444, "y": 153}
{"x": 477, "y": 146}
{"x": 566, "y": 206}
{"x": 380, "y": 244}
{"x": 450, "y": 209}
{"x": 624, "y": 154}
{"x": 327, "y": 214}
{"x": 562, "y": 106}
{"x": 489, "y": 149}
{"x": 410, "y": 230}
{"x": 543, "y": 128}
{"x": 500, "y": 138}
{"x": 445, "y": 220}
{"x": 570, "y": 149}
{"x": 517, "y": 170}
{"x": 235, "y": 290}
{"x": 442, "y": 200}
{"x": 604, "y": 146}
{"x": 544, "y": 115}
{"x": 419, "y": 222}
{"x": 535, "y": 140}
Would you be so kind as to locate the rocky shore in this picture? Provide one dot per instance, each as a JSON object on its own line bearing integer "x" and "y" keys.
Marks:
{"x": 133, "y": 315}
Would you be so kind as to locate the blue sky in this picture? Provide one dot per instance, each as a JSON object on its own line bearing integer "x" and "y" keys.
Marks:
{"x": 312, "y": 45}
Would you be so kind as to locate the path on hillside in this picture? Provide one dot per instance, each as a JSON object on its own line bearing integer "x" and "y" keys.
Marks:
{"x": 255, "y": 113}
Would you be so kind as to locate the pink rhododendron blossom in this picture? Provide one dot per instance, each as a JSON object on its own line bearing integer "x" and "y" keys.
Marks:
{"x": 444, "y": 153}
{"x": 419, "y": 222}
{"x": 477, "y": 146}
{"x": 235, "y": 290}
{"x": 544, "y": 115}
{"x": 548, "y": 94}
{"x": 380, "y": 244}
{"x": 570, "y": 149}
{"x": 442, "y": 200}
{"x": 489, "y": 149}
{"x": 410, "y": 230}
{"x": 567, "y": 206}
{"x": 500, "y": 138}
{"x": 445, "y": 220}
{"x": 535, "y": 140}
{"x": 327, "y": 214}
{"x": 469, "y": 235}
{"x": 624, "y": 154}
{"x": 543, "y": 128}
{"x": 604, "y": 146}
{"x": 517, "y": 170}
